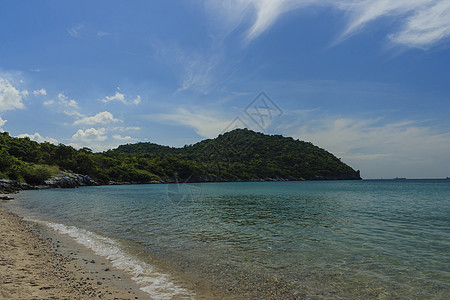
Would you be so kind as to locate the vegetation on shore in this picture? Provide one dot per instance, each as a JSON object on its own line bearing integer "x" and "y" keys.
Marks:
{"x": 239, "y": 155}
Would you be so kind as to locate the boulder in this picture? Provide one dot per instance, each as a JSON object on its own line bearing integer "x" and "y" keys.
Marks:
{"x": 69, "y": 180}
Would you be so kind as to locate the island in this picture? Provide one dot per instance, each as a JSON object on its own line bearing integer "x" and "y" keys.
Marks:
{"x": 238, "y": 155}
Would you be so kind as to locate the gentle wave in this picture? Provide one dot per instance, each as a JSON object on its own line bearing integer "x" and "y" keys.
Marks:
{"x": 158, "y": 285}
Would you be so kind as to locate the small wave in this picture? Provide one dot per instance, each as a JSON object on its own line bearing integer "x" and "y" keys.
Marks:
{"x": 157, "y": 285}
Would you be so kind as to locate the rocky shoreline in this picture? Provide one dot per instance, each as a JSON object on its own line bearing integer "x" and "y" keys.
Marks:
{"x": 68, "y": 180}
{"x": 71, "y": 180}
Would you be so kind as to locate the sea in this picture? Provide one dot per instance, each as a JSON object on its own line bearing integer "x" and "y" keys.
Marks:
{"x": 369, "y": 239}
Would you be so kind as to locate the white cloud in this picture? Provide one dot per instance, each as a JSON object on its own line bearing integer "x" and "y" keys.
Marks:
{"x": 120, "y": 97}
{"x": 67, "y": 106}
{"x": 41, "y": 92}
{"x": 49, "y": 102}
{"x": 2, "y": 122}
{"x": 117, "y": 97}
{"x": 10, "y": 97}
{"x": 97, "y": 140}
{"x": 100, "y": 118}
{"x": 423, "y": 23}
{"x": 137, "y": 100}
{"x": 91, "y": 134}
{"x": 38, "y": 138}
{"x": 63, "y": 99}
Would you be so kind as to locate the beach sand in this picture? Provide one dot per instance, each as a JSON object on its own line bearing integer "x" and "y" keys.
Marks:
{"x": 36, "y": 263}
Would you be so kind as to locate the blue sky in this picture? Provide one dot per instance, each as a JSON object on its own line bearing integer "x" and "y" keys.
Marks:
{"x": 368, "y": 80}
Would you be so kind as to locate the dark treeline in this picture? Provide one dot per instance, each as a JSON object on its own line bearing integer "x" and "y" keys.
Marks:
{"x": 237, "y": 155}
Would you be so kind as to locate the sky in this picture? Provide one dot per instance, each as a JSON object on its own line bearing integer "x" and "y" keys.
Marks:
{"x": 368, "y": 80}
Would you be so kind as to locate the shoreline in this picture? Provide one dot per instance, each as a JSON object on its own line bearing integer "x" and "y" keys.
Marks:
{"x": 8, "y": 186}
{"x": 38, "y": 263}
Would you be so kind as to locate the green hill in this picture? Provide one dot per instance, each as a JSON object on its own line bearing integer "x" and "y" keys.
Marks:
{"x": 239, "y": 155}
{"x": 243, "y": 154}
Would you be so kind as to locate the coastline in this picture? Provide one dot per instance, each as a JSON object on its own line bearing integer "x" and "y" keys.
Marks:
{"x": 8, "y": 186}
{"x": 38, "y": 263}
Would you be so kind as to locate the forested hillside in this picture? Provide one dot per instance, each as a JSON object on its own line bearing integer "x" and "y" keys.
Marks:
{"x": 234, "y": 156}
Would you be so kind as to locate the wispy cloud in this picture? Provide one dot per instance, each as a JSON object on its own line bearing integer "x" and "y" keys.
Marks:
{"x": 207, "y": 124}
{"x": 377, "y": 147}
{"x": 198, "y": 72}
{"x": 73, "y": 113}
{"x": 196, "y": 69}
{"x": 268, "y": 11}
{"x": 102, "y": 118}
{"x": 426, "y": 27}
{"x": 123, "y": 129}
{"x": 75, "y": 30}
{"x": 423, "y": 23}
{"x": 102, "y": 33}
{"x": 124, "y": 138}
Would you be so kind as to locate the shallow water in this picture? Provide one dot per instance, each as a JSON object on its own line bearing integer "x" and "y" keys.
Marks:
{"x": 339, "y": 239}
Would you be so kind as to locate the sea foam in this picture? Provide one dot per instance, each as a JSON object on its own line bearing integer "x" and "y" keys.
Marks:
{"x": 158, "y": 285}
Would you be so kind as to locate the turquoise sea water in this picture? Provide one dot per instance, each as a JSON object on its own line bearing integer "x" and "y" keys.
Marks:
{"x": 283, "y": 240}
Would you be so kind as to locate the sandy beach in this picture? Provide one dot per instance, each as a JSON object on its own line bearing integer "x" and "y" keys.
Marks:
{"x": 36, "y": 263}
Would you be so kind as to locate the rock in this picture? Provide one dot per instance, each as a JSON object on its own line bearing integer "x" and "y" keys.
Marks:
{"x": 12, "y": 186}
{"x": 69, "y": 180}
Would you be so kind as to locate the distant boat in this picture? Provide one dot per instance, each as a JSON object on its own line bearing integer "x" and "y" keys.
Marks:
{"x": 448, "y": 178}
{"x": 400, "y": 178}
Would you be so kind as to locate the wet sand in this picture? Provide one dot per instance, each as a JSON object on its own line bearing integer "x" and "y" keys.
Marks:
{"x": 36, "y": 263}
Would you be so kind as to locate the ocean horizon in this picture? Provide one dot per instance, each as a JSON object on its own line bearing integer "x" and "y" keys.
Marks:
{"x": 286, "y": 240}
